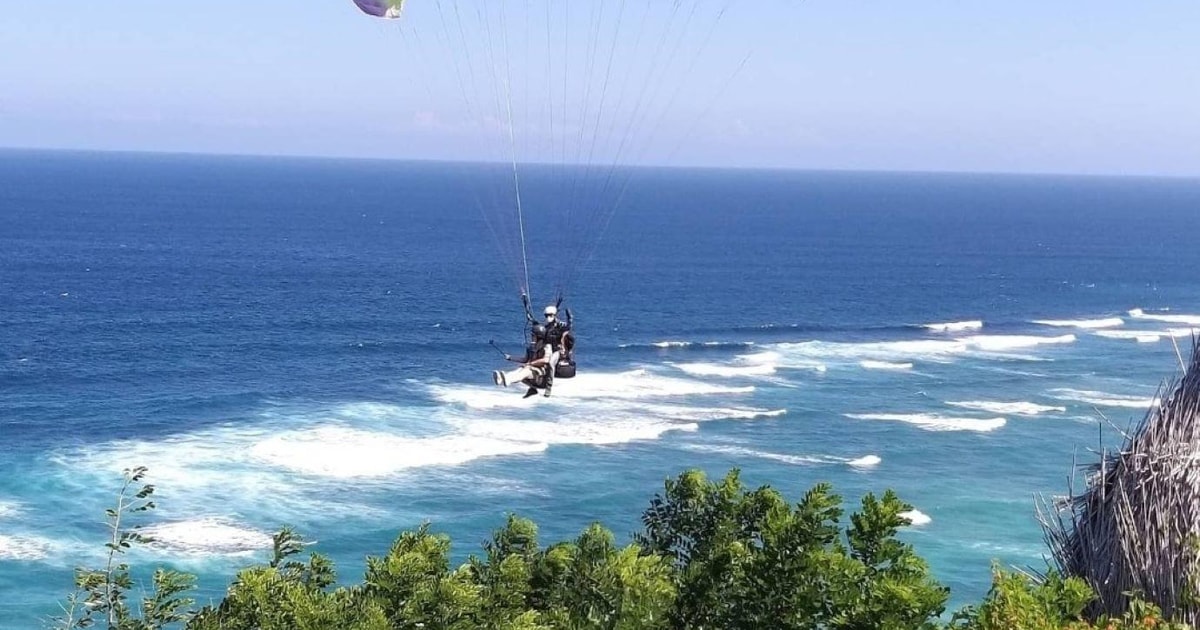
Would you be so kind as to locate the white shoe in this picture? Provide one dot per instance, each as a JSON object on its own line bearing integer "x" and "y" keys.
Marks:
{"x": 499, "y": 378}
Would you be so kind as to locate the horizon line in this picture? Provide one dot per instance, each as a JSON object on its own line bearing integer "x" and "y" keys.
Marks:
{"x": 679, "y": 167}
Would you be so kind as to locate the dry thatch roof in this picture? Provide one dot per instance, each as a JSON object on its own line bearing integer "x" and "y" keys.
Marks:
{"x": 1136, "y": 525}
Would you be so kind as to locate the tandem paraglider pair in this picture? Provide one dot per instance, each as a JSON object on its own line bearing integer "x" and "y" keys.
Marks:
{"x": 523, "y": 103}
{"x": 549, "y": 354}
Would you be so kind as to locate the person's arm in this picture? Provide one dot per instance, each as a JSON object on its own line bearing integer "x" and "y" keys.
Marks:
{"x": 543, "y": 357}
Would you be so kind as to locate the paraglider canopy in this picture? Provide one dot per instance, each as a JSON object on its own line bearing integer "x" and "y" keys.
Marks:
{"x": 389, "y": 9}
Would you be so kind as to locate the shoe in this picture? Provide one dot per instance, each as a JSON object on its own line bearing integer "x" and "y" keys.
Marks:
{"x": 546, "y": 393}
{"x": 496, "y": 377}
{"x": 532, "y": 392}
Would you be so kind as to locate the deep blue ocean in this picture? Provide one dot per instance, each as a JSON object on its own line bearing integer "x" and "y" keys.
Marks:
{"x": 305, "y": 342}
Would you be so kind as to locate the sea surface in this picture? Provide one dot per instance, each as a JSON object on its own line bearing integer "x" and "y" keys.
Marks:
{"x": 306, "y": 343}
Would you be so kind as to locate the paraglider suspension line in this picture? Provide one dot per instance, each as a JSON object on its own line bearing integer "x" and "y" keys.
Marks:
{"x": 512, "y": 143}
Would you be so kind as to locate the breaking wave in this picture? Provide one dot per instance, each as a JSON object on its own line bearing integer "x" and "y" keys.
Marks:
{"x": 867, "y": 461}
{"x": 1138, "y": 313}
{"x": 1000, "y": 343}
{"x": 640, "y": 384}
{"x": 345, "y": 453}
{"x": 1107, "y": 322}
{"x": 934, "y": 422}
{"x": 885, "y": 365}
{"x": 1102, "y": 399}
{"x": 807, "y": 354}
{"x": 716, "y": 369}
{"x": 1008, "y": 408}
{"x": 637, "y": 385}
{"x": 687, "y": 344}
{"x": 917, "y": 518}
{"x": 974, "y": 324}
{"x": 207, "y": 536}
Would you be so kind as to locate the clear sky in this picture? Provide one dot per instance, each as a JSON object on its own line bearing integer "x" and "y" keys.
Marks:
{"x": 1066, "y": 86}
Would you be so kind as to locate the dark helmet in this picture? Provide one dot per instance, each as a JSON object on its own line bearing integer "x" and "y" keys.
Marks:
{"x": 539, "y": 332}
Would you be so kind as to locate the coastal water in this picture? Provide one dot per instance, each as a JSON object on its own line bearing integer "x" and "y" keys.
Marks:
{"x": 305, "y": 343}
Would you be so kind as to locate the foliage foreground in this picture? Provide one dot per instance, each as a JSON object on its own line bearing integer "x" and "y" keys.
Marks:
{"x": 711, "y": 555}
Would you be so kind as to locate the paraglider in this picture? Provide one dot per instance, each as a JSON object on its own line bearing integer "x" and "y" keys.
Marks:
{"x": 388, "y": 9}
{"x": 560, "y": 100}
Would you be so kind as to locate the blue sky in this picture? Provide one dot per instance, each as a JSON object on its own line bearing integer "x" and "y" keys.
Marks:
{"x": 1018, "y": 86}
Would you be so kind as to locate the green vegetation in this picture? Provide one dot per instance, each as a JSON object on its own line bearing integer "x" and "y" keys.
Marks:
{"x": 711, "y": 555}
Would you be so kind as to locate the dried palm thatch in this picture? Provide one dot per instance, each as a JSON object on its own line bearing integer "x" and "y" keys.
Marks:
{"x": 1135, "y": 527}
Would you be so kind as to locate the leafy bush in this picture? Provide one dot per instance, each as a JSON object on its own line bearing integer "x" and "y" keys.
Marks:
{"x": 711, "y": 555}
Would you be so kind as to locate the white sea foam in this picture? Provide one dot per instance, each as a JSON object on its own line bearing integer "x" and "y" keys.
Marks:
{"x": 638, "y": 384}
{"x": 917, "y": 518}
{"x": 701, "y": 414}
{"x": 934, "y": 422}
{"x": 345, "y": 453}
{"x": 726, "y": 370}
{"x": 207, "y": 536}
{"x": 1138, "y": 313}
{"x": 974, "y": 324}
{"x": 1107, "y": 322}
{"x": 21, "y": 547}
{"x": 9, "y": 508}
{"x": 1147, "y": 336}
{"x": 277, "y": 461}
{"x": 756, "y": 364}
{"x": 866, "y": 461}
{"x": 1001, "y": 343}
{"x": 1008, "y": 408}
{"x": 795, "y": 460}
{"x": 885, "y": 365}
{"x": 572, "y": 432}
{"x": 807, "y": 354}
{"x": 1102, "y": 399}
{"x": 1128, "y": 334}
{"x": 765, "y": 357}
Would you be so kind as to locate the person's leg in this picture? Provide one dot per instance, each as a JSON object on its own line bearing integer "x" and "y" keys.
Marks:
{"x": 550, "y": 371}
{"x": 513, "y": 376}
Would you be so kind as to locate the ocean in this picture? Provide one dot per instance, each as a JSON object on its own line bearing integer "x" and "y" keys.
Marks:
{"x": 305, "y": 342}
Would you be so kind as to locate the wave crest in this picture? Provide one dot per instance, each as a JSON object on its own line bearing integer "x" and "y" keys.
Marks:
{"x": 973, "y": 324}
{"x": 885, "y": 365}
{"x": 934, "y": 422}
{"x": 1013, "y": 408}
{"x": 1000, "y": 343}
{"x": 1107, "y": 322}
{"x": 1102, "y": 399}
{"x": 866, "y": 461}
{"x": 1138, "y": 313}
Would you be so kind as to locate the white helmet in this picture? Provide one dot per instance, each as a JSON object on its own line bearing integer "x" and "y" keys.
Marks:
{"x": 551, "y": 311}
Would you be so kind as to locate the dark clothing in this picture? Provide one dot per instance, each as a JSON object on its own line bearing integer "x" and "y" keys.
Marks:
{"x": 554, "y": 334}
